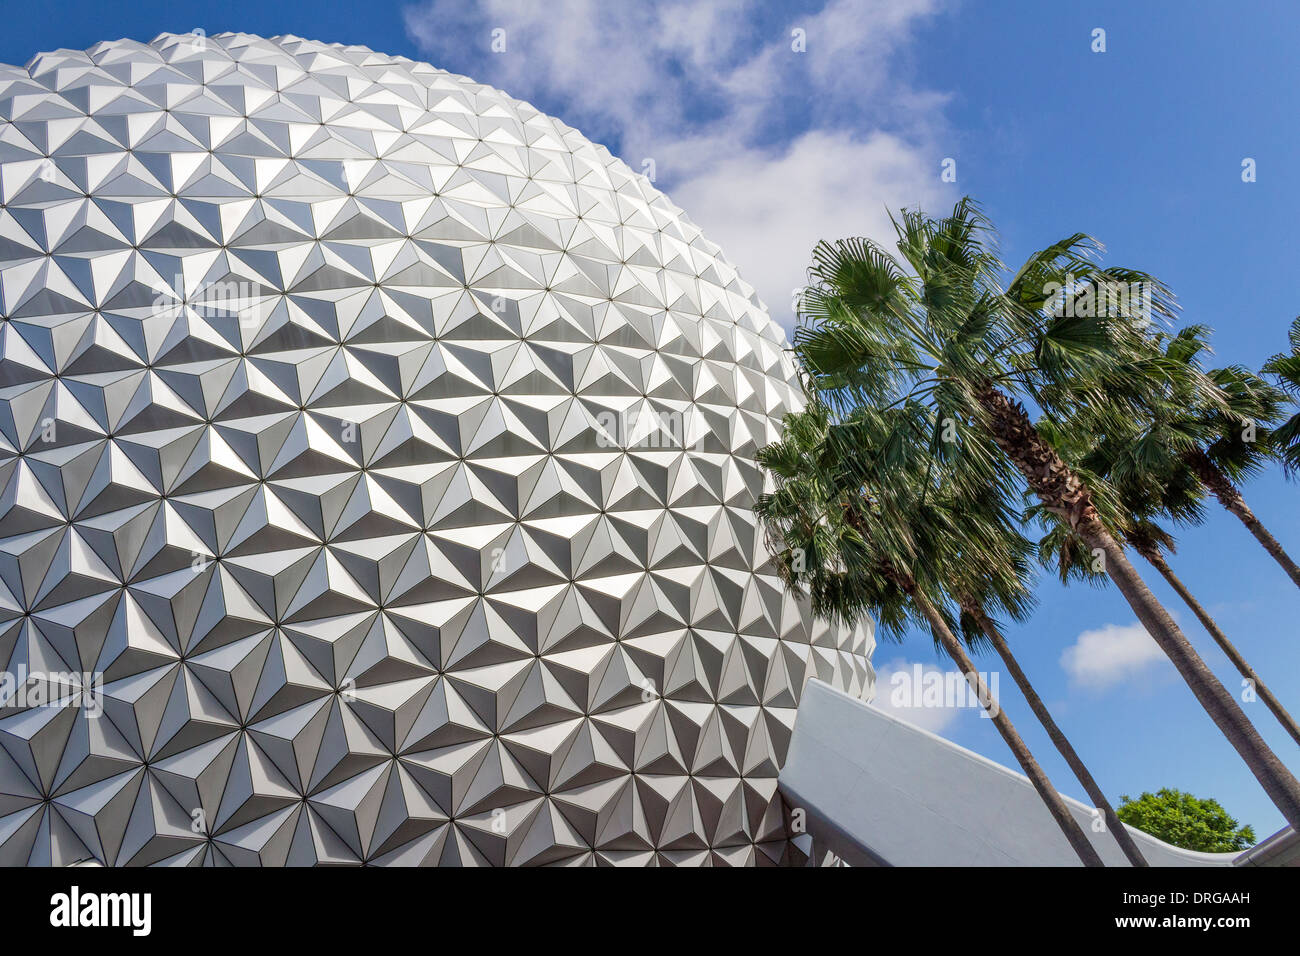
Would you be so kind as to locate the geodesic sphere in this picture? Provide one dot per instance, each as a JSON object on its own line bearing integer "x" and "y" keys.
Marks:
{"x": 377, "y": 458}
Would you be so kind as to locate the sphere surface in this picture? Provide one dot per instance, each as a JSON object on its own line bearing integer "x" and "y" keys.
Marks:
{"x": 377, "y": 458}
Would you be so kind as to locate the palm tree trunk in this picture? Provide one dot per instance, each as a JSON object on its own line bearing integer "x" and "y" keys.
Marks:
{"x": 1231, "y": 498}
{"x": 1061, "y": 490}
{"x": 1055, "y": 805}
{"x": 1062, "y": 744}
{"x": 1157, "y": 561}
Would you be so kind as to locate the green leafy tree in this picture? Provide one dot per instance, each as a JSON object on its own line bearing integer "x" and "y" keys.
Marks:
{"x": 1183, "y": 820}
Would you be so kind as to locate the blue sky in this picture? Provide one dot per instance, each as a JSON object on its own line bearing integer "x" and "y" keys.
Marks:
{"x": 770, "y": 149}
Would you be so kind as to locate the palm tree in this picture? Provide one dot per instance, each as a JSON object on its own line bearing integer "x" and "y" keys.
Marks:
{"x": 995, "y": 577}
{"x": 1285, "y": 368}
{"x": 1150, "y": 541}
{"x": 1061, "y": 548}
{"x": 854, "y": 550}
{"x": 1137, "y": 494}
{"x": 1206, "y": 438}
{"x": 947, "y": 334}
{"x": 1230, "y": 457}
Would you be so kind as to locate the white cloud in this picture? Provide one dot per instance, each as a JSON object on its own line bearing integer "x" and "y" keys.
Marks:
{"x": 1109, "y": 655}
{"x": 768, "y": 150}
{"x": 767, "y": 211}
{"x": 902, "y": 696}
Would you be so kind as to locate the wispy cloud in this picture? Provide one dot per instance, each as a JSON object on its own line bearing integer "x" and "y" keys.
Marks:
{"x": 768, "y": 148}
{"x": 1110, "y": 655}
{"x": 898, "y": 694}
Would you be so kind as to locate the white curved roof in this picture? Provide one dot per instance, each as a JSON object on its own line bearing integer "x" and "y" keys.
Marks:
{"x": 879, "y": 791}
